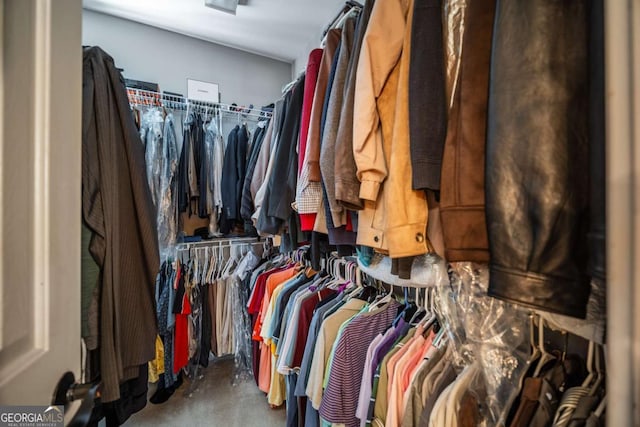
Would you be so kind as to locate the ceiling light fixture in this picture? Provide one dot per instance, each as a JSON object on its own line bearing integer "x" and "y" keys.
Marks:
{"x": 228, "y": 6}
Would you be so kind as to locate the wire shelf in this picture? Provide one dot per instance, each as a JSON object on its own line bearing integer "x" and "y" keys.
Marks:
{"x": 175, "y": 102}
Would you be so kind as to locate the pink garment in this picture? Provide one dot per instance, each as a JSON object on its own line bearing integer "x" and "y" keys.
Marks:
{"x": 264, "y": 373}
{"x": 415, "y": 361}
{"x": 404, "y": 379}
{"x": 396, "y": 382}
{"x": 391, "y": 364}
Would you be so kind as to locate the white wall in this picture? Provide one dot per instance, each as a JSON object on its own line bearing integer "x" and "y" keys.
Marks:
{"x": 159, "y": 56}
{"x": 300, "y": 63}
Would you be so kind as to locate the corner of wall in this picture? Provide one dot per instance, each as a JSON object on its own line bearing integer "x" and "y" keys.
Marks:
{"x": 300, "y": 63}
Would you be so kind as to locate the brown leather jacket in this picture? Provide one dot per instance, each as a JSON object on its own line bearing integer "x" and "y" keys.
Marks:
{"x": 462, "y": 182}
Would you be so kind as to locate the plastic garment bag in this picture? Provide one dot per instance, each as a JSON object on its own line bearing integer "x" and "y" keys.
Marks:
{"x": 161, "y": 158}
{"x": 214, "y": 150}
{"x": 167, "y": 202}
{"x": 152, "y": 133}
{"x": 593, "y": 327}
{"x": 489, "y": 332}
{"x": 426, "y": 271}
{"x": 495, "y": 335}
{"x": 453, "y": 26}
{"x": 240, "y": 291}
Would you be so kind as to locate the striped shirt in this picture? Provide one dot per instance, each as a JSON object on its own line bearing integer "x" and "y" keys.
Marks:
{"x": 340, "y": 398}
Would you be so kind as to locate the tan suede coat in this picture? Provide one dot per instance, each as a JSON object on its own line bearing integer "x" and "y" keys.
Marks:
{"x": 394, "y": 217}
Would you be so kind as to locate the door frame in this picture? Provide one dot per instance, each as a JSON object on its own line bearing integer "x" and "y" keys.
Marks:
{"x": 40, "y": 197}
{"x": 622, "y": 103}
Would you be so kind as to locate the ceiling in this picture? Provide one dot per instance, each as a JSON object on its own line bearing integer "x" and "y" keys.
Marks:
{"x": 280, "y": 29}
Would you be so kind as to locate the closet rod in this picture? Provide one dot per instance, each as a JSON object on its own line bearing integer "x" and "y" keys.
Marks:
{"x": 162, "y": 99}
{"x": 350, "y": 4}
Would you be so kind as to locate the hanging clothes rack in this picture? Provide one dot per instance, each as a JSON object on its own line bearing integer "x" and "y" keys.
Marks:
{"x": 219, "y": 243}
{"x": 194, "y": 255}
{"x": 175, "y": 102}
{"x": 189, "y": 248}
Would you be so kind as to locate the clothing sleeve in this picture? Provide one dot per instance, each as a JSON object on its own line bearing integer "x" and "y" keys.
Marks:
{"x": 260, "y": 194}
{"x": 246, "y": 206}
{"x": 266, "y": 320}
{"x": 407, "y": 418}
{"x": 316, "y": 372}
{"x": 285, "y": 178}
{"x": 283, "y": 208}
{"x": 257, "y": 178}
{"x": 381, "y": 49}
{"x": 241, "y": 162}
{"x": 218, "y": 172}
{"x": 334, "y": 408}
{"x": 229, "y": 173}
{"x": 182, "y": 184}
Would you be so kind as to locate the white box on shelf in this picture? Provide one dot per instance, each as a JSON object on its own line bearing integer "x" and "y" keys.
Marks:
{"x": 202, "y": 91}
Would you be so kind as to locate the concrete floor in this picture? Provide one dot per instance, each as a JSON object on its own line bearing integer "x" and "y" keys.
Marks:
{"x": 214, "y": 402}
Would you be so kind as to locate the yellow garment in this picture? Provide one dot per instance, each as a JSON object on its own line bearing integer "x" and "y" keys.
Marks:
{"x": 277, "y": 389}
{"x": 156, "y": 366}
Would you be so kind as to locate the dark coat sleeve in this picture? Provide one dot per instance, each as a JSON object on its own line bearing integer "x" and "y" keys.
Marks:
{"x": 246, "y": 205}
{"x": 427, "y": 99}
{"x": 229, "y": 171}
{"x": 183, "y": 171}
{"x": 284, "y": 176}
{"x": 241, "y": 167}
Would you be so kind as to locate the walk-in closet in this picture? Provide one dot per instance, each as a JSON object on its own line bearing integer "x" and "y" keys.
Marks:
{"x": 398, "y": 213}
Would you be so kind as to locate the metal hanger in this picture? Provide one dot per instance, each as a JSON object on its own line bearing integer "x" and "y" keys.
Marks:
{"x": 535, "y": 351}
{"x": 421, "y": 305}
{"x": 431, "y": 307}
{"x": 599, "y": 374}
{"x": 590, "y": 357}
{"x": 212, "y": 265}
{"x": 601, "y": 407}
{"x": 358, "y": 273}
{"x": 383, "y": 300}
{"x": 545, "y": 356}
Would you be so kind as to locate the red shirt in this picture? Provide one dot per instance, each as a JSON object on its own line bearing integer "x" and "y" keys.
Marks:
{"x": 272, "y": 282}
{"x": 181, "y": 341}
{"x": 304, "y": 321}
